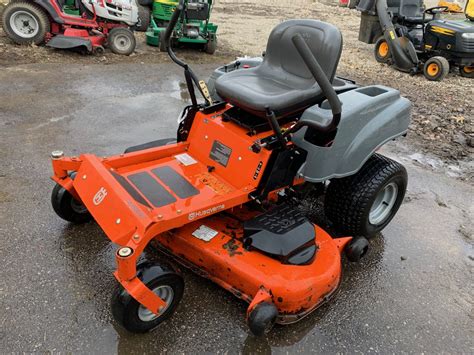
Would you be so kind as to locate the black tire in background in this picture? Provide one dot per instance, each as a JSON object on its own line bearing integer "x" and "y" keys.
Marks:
{"x": 211, "y": 46}
{"x": 163, "y": 45}
{"x": 350, "y": 201}
{"x": 144, "y": 15}
{"x": 25, "y": 12}
{"x": 121, "y": 41}
{"x": 467, "y": 71}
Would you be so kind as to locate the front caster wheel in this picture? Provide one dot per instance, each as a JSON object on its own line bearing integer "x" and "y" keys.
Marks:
{"x": 262, "y": 318}
{"x": 356, "y": 249}
{"x": 67, "y": 207}
{"x": 134, "y": 317}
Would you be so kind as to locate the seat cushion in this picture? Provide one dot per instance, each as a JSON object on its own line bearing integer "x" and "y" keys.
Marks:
{"x": 252, "y": 92}
{"x": 283, "y": 82}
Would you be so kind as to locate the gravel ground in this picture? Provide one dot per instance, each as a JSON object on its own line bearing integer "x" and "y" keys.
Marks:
{"x": 442, "y": 125}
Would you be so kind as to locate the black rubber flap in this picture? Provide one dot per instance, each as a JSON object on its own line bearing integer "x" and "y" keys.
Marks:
{"x": 176, "y": 182}
{"x": 65, "y": 42}
{"x": 152, "y": 189}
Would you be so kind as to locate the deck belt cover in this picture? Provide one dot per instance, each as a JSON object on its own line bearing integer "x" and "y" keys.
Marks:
{"x": 176, "y": 182}
{"x": 130, "y": 189}
{"x": 151, "y": 189}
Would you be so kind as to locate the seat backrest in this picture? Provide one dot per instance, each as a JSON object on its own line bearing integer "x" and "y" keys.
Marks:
{"x": 324, "y": 40}
{"x": 411, "y": 8}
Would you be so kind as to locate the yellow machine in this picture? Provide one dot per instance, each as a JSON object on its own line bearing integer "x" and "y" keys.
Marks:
{"x": 469, "y": 10}
{"x": 452, "y": 5}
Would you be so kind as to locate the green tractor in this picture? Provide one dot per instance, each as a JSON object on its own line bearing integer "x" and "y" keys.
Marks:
{"x": 193, "y": 26}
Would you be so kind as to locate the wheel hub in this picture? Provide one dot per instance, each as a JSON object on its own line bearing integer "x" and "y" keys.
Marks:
{"x": 122, "y": 42}
{"x": 24, "y": 24}
{"x": 383, "y": 204}
{"x": 166, "y": 293}
{"x": 433, "y": 69}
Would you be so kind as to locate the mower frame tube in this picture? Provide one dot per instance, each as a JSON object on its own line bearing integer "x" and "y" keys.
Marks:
{"x": 188, "y": 72}
{"x": 136, "y": 236}
{"x": 323, "y": 82}
{"x": 401, "y": 59}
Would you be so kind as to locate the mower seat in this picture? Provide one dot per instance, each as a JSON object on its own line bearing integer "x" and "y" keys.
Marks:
{"x": 412, "y": 11}
{"x": 282, "y": 82}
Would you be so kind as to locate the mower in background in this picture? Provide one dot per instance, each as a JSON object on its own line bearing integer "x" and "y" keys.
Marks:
{"x": 83, "y": 25}
{"x": 193, "y": 26}
{"x": 412, "y": 42}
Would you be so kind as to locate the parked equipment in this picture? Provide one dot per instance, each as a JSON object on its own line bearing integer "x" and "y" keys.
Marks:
{"x": 193, "y": 27}
{"x": 80, "y": 24}
{"x": 469, "y": 10}
{"x": 222, "y": 197}
{"x": 405, "y": 38}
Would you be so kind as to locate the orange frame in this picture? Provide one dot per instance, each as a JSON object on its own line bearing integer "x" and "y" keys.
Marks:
{"x": 133, "y": 225}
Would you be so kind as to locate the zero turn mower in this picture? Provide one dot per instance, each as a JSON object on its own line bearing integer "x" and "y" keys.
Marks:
{"x": 222, "y": 197}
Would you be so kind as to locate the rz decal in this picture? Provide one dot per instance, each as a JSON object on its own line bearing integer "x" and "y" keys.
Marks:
{"x": 99, "y": 196}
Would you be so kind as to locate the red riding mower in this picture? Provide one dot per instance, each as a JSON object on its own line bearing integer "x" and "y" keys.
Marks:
{"x": 74, "y": 24}
{"x": 223, "y": 198}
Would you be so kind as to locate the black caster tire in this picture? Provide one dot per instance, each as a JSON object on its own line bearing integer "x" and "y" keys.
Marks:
{"x": 211, "y": 46}
{"x": 144, "y": 15}
{"x": 134, "y": 317}
{"x": 467, "y": 71}
{"x": 67, "y": 207}
{"x": 121, "y": 41}
{"x": 356, "y": 249}
{"x": 364, "y": 203}
{"x": 382, "y": 51}
{"x": 25, "y": 22}
{"x": 262, "y": 318}
{"x": 436, "y": 68}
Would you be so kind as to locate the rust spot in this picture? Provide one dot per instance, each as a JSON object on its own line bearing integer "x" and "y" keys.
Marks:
{"x": 232, "y": 247}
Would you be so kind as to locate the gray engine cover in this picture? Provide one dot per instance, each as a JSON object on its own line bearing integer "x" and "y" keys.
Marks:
{"x": 371, "y": 116}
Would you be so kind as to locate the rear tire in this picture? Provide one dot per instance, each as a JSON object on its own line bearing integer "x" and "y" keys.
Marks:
{"x": 436, "y": 68}
{"x": 121, "y": 41}
{"x": 382, "y": 51}
{"x": 467, "y": 71}
{"x": 364, "y": 203}
{"x": 25, "y": 22}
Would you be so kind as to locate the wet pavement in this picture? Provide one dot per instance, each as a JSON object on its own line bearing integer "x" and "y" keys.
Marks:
{"x": 412, "y": 293}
